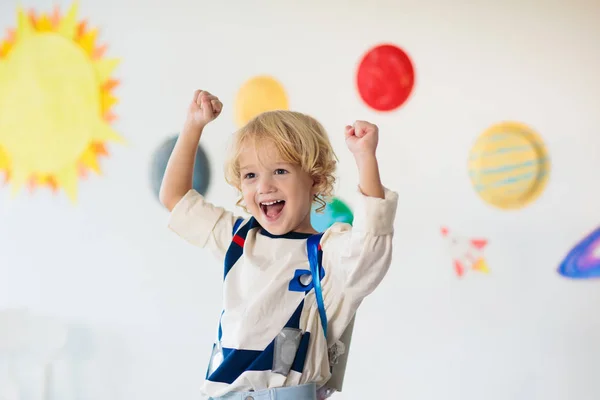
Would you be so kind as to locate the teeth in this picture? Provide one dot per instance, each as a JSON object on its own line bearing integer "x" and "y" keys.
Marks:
{"x": 270, "y": 203}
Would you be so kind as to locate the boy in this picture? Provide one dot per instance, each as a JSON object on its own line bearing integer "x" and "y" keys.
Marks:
{"x": 279, "y": 330}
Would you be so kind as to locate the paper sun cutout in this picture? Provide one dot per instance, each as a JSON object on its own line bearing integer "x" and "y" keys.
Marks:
{"x": 55, "y": 102}
{"x": 467, "y": 254}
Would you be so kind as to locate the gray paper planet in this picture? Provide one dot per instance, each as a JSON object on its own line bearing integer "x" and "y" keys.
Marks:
{"x": 159, "y": 161}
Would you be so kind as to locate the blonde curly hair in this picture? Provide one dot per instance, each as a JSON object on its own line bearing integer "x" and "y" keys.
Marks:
{"x": 299, "y": 138}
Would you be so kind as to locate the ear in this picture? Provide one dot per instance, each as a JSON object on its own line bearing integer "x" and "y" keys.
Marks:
{"x": 314, "y": 189}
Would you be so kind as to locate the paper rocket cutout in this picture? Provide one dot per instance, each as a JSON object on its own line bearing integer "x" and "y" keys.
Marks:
{"x": 467, "y": 254}
{"x": 583, "y": 261}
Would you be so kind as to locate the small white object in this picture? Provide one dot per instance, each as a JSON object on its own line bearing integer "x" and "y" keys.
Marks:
{"x": 26, "y": 334}
{"x": 9, "y": 390}
{"x": 32, "y": 341}
{"x": 306, "y": 279}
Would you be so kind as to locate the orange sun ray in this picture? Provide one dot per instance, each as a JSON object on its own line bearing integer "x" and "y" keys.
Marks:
{"x": 110, "y": 117}
{"x": 81, "y": 28}
{"x": 6, "y": 44}
{"x": 99, "y": 52}
{"x": 100, "y": 149}
{"x": 32, "y": 17}
{"x": 55, "y": 16}
{"x": 87, "y": 41}
{"x": 110, "y": 85}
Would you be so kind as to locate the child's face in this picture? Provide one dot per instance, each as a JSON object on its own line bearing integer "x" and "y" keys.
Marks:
{"x": 278, "y": 194}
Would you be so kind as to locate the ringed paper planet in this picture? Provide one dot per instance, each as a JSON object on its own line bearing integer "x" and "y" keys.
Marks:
{"x": 509, "y": 165}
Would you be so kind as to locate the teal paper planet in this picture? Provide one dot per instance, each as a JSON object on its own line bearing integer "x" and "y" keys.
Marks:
{"x": 335, "y": 211}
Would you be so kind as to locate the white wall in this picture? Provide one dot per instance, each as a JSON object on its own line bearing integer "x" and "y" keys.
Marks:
{"x": 145, "y": 304}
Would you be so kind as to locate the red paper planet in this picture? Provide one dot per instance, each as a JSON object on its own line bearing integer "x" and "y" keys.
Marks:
{"x": 385, "y": 77}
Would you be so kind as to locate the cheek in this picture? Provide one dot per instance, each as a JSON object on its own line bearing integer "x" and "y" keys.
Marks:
{"x": 303, "y": 191}
{"x": 248, "y": 193}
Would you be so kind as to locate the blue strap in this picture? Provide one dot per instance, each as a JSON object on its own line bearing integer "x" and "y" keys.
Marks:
{"x": 312, "y": 246}
{"x": 237, "y": 224}
{"x": 228, "y": 265}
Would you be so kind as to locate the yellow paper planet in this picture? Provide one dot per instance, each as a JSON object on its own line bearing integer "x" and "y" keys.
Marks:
{"x": 258, "y": 95}
{"x": 509, "y": 165}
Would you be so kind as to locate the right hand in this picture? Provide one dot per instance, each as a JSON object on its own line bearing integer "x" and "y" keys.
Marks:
{"x": 203, "y": 109}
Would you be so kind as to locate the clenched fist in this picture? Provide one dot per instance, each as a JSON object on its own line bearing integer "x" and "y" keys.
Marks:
{"x": 203, "y": 109}
{"x": 362, "y": 138}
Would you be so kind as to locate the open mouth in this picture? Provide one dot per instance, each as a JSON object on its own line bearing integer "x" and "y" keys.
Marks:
{"x": 272, "y": 209}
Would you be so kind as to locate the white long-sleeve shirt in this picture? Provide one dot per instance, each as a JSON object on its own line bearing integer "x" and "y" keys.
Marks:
{"x": 262, "y": 292}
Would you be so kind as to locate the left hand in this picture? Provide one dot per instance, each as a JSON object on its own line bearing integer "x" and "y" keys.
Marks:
{"x": 362, "y": 138}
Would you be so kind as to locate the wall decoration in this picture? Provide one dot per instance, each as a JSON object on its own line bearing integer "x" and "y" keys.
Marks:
{"x": 385, "y": 77}
{"x": 467, "y": 254}
{"x": 159, "y": 161}
{"x": 55, "y": 102}
{"x": 257, "y": 95}
{"x": 583, "y": 261}
{"x": 509, "y": 165}
{"x": 335, "y": 211}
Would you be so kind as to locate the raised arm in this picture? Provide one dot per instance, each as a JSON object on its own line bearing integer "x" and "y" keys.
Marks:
{"x": 359, "y": 255}
{"x": 177, "y": 180}
{"x": 362, "y": 139}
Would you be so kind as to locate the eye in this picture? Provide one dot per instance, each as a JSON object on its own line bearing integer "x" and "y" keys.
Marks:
{"x": 280, "y": 171}
{"x": 249, "y": 175}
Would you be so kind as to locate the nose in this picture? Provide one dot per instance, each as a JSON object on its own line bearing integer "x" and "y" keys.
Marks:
{"x": 265, "y": 184}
